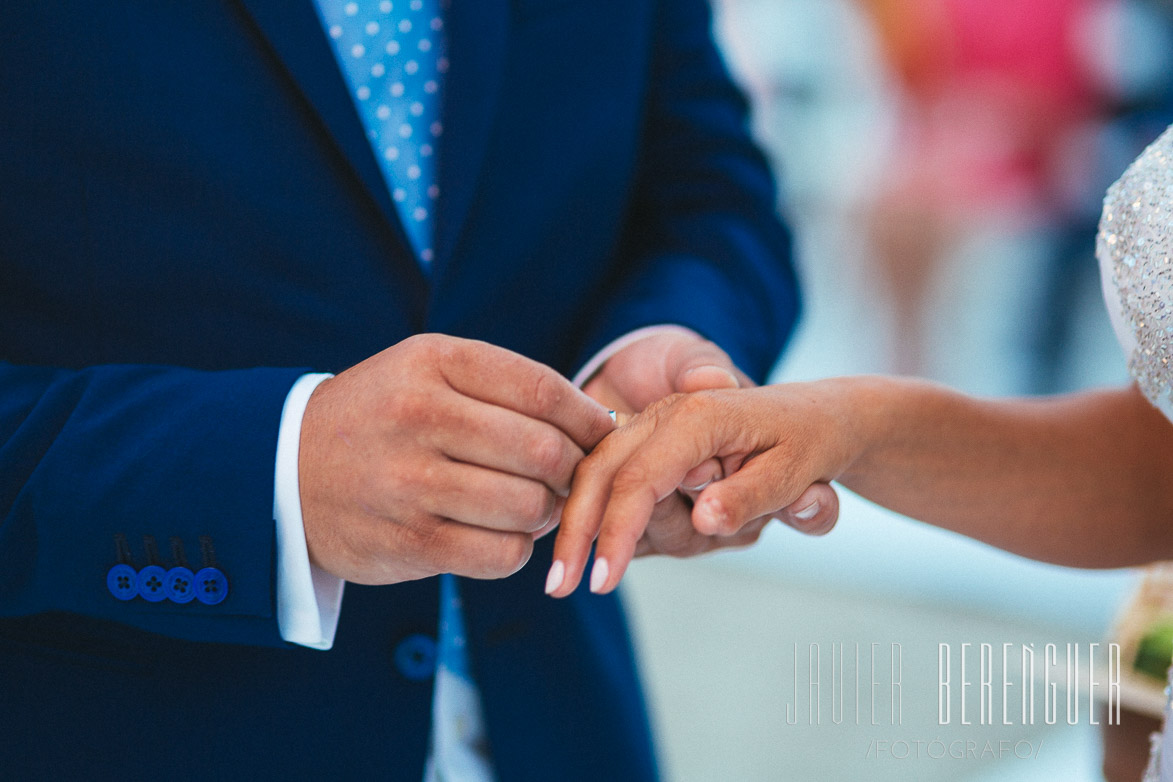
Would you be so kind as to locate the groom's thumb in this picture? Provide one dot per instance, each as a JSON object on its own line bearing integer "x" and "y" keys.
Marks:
{"x": 699, "y": 366}
{"x": 706, "y": 377}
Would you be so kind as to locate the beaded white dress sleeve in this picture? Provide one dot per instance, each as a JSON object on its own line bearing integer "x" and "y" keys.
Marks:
{"x": 1135, "y": 250}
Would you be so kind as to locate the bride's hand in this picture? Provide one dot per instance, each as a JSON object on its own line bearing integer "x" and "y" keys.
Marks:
{"x": 778, "y": 446}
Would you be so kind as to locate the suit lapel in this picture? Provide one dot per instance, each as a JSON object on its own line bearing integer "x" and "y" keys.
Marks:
{"x": 294, "y": 32}
{"x": 477, "y": 35}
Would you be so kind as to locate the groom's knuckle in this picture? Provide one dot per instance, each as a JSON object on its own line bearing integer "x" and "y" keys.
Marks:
{"x": 533, "y": 508}
{"x": 546, "y": 394}
{"x": 550, "y": 456}
{"x": 503, "y": 557}
{"x": 512, "y": 554}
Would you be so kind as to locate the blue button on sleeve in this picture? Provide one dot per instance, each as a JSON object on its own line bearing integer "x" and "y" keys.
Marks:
{"x": 150, "y": 583}
{"x": 122, "y": 581}
{"x": 211, "y": 586}
{"x": 179, "y": 585}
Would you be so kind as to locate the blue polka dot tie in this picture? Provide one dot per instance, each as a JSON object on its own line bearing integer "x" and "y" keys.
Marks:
{"x": 393, "y": 54}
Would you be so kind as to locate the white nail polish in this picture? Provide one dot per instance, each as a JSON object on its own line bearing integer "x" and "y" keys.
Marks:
{"x": 556, "y": 576}
{"x": 807, "y": 513}
{"x": 599, "y": 574}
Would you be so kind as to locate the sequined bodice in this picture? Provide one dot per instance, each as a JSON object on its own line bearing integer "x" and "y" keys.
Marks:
{"x": 1135, "y": 248}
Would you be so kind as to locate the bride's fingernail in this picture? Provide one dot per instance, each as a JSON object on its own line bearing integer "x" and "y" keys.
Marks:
{"x": 809, "y": 512}
{"x": 699, "y": 487}
{"x": 556, "y": 577}
{"x": 599, "y": 574}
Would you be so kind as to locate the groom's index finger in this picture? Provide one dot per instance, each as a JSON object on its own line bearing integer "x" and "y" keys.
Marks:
{"x": 501, "y": 377}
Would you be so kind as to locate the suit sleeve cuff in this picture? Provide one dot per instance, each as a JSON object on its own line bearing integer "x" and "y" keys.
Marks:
{"x": 309, "y": 600}
{"x": 614, "y": 346}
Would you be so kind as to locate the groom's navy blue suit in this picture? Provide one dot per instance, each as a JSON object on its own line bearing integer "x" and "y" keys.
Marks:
{"x": 190, "y": 219}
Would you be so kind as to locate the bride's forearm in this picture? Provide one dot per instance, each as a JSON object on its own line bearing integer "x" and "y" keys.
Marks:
{"x": 1084, "y": 479}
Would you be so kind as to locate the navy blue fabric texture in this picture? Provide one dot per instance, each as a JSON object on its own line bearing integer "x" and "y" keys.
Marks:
{"x": 191, "y": 218}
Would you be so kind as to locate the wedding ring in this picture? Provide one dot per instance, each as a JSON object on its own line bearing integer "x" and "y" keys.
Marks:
{"x": 618, "y": 418}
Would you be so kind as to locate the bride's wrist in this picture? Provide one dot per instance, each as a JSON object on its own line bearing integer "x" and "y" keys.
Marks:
{"x": 868, "y": 412}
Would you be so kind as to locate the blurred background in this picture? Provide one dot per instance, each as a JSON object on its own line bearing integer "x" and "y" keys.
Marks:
{"x": 942, "y": 163}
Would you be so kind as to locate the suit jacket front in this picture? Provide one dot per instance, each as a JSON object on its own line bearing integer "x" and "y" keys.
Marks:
{"x": 190, "y": 218}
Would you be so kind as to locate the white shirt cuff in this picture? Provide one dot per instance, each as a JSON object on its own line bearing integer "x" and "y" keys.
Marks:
{"x": 613, "y": 347}
{"x": 309, "y": 600}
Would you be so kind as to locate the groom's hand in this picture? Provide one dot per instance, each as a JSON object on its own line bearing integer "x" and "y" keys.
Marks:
{"x": 439, "y": 455}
